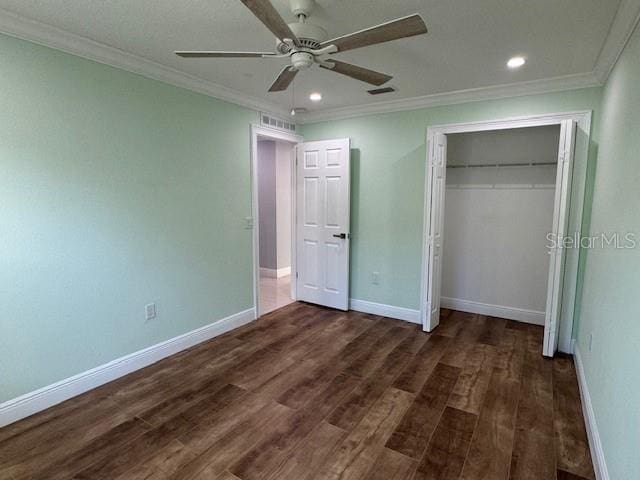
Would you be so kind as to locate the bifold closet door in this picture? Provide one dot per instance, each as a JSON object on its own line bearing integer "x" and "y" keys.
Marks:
{"x": 433, "y": 230}
{"x": 559, "y": 231}
{"x": 322, "y": 223}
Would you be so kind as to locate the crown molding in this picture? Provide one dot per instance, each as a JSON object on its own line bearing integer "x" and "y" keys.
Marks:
{"x": 48, "y": 36}
{"x": 623, "y": 25}
{"x": 547, "y": 85}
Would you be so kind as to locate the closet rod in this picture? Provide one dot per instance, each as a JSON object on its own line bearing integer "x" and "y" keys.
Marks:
{"x": 486, "y": 165}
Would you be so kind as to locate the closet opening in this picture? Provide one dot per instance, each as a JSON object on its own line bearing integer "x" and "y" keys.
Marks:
{"x": 496, "y": 199}
{"x": 499, "y": 197}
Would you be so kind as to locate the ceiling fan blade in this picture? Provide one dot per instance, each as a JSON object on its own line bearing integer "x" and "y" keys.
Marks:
{"x": 271, "y": 18}
{"x": 359, "y": 73}
{"x": 393, "y": 30}
{"x": 284, "y": 79}
{"x": 208, "y": 54}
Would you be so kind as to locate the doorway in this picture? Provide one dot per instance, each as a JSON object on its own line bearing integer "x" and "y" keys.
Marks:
{"x": 527, "y": 179}
{"x": 319, "y": 221}
{"x": 273, "y": 176}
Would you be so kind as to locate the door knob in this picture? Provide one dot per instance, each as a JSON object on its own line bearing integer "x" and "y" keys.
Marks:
{"x": 340, "y": 235}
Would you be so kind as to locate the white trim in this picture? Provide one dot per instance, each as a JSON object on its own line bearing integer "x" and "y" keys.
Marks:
{"x": 518, "y": 314}
{"x": 595, "y": 444}
{"x": 43, "y": 398}
{"x": 534, "y": 87}
{"x": 624, "y": 23}
{"x": 52, "y": 37}
{"x": 512, "y": 122}
{"x": 583, "y": 120}
{"x": 391, "y": 311}
{"x": 256, "y": 131}
{"x": 275, "y": 272}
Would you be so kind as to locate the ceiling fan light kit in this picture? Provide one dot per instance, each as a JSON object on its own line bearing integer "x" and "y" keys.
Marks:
{"x": 301, "y": 60}
{"x": 306, "y": 44}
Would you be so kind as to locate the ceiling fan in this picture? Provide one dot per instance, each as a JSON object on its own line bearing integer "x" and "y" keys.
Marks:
{"x": 305, "y": 43}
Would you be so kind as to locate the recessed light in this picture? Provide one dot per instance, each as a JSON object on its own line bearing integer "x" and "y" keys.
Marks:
{"x": 315, "y": 97}
{"x": 516, "y": 62}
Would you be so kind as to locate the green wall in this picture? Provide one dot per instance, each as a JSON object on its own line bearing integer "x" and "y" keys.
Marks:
{"x": 115, "y": 191}
{"x": 388, "y": 157}
{"x": 610, "y": 304}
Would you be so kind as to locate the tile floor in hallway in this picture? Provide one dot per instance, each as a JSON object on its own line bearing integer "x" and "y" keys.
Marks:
{"x": 274, "y": 293}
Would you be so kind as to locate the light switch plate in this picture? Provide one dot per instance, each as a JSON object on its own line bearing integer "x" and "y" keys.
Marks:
{"x": 150, "y": 311}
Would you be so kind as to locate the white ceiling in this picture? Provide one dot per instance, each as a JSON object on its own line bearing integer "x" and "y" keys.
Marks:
{"x": 467, "y": 46}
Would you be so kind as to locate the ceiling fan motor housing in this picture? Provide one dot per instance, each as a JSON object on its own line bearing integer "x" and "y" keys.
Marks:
{"x": 309, "y": 36}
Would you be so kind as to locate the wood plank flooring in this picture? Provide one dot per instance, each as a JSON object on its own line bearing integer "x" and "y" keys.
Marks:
{"x": 308, "y": 393}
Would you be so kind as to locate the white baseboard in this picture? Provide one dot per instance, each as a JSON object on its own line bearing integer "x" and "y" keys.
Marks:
{"x": 595, "y": 444}
{"x": 400, "y": 313}
{"x": 43, "y": 398}
{"x": 519, "y": 314}
{"x": 275, "y": 273}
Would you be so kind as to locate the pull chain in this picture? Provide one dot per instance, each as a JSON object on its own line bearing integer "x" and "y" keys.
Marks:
{"x": 293, "y": 97}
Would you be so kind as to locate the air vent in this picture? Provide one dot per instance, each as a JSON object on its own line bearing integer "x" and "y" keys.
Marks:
{"x": 380, "y": 91}
{"x": 274, "y": 122}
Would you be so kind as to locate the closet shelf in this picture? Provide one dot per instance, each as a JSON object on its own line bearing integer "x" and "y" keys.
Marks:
{"x": 497, "y": 165}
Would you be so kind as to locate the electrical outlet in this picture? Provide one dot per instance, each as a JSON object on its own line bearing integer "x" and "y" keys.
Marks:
{"x": 375, "y": 278}
{"x": 590, "y": 341}
{"x": 150, "y": 311}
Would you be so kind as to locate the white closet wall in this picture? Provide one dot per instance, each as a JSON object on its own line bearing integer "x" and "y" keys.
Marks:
{"x": 496, "y": 221}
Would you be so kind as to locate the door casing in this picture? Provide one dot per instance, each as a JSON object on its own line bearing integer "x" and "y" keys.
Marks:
{"x": 583, "y": 122}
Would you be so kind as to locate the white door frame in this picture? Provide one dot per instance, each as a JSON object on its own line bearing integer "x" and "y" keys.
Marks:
{"x": 583, "y": 121}
{"x": 278, "y": 135}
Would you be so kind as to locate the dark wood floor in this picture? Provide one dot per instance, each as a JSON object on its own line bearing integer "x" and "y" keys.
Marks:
{"x": 310, "y": 393}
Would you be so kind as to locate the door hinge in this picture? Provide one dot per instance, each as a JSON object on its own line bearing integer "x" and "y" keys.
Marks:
{"x": 296, "y": 274}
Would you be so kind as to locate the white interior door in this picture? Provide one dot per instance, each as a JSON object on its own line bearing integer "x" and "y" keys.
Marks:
{"x": 436, "y": 171}
{"x": 322, "y": 223}
{"x": 559, "y": 230}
